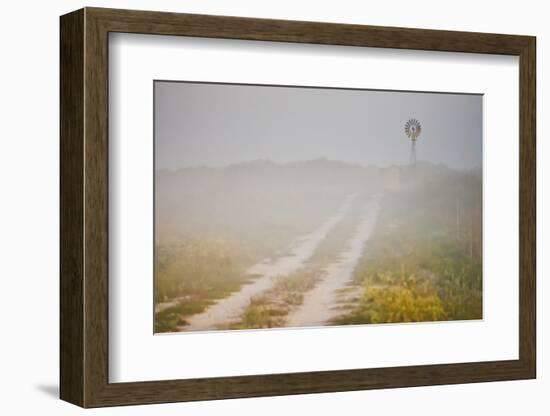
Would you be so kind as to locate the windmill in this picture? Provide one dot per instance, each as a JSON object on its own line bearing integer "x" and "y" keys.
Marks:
{"x": 412, "y": 130}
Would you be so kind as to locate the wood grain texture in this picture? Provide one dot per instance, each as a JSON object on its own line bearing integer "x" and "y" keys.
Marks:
{"x": 84, "y": 207}
{"x": 528, "y": 208}
{"x": 96, "y": 228}
{"x": 71, "y": 208}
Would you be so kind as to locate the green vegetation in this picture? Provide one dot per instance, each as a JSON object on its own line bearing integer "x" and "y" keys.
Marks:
{"x": 269, "y": 309}
{"x": 423, "y": 262}
{"x": 169, "y": 319}
{"x": 190, "y": 274}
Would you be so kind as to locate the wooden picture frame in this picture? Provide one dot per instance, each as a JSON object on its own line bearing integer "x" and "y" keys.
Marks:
{"x": 84, "y": 207}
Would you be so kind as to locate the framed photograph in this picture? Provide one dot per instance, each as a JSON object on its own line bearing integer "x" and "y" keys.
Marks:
{"x": 255, "y": 207}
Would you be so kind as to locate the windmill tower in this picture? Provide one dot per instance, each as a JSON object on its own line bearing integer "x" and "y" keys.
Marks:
{"x": 412, "y": 130}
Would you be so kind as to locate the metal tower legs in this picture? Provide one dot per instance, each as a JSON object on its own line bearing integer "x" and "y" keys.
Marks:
{"x": 412, "y": 159}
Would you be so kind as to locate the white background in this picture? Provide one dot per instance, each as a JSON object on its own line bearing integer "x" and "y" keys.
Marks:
{"x": 29, "y": 217}
{"x": 136, "y": 355}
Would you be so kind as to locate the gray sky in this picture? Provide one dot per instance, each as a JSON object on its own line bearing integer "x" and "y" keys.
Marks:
{"x": 216, "y": 125}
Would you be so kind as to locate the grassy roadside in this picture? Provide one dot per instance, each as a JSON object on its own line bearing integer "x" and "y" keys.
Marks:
{"x": 423, "y": 262}
{"x": 194, "y": 273}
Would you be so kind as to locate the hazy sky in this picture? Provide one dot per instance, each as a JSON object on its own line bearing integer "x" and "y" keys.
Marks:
{"x": 216, "y": 125}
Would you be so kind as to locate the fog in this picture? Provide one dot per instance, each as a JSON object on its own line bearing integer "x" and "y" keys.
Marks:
{"x": 201, "y": 124}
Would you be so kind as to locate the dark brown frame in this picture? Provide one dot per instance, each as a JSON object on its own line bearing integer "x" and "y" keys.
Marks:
{"x": 84, "y": 207}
